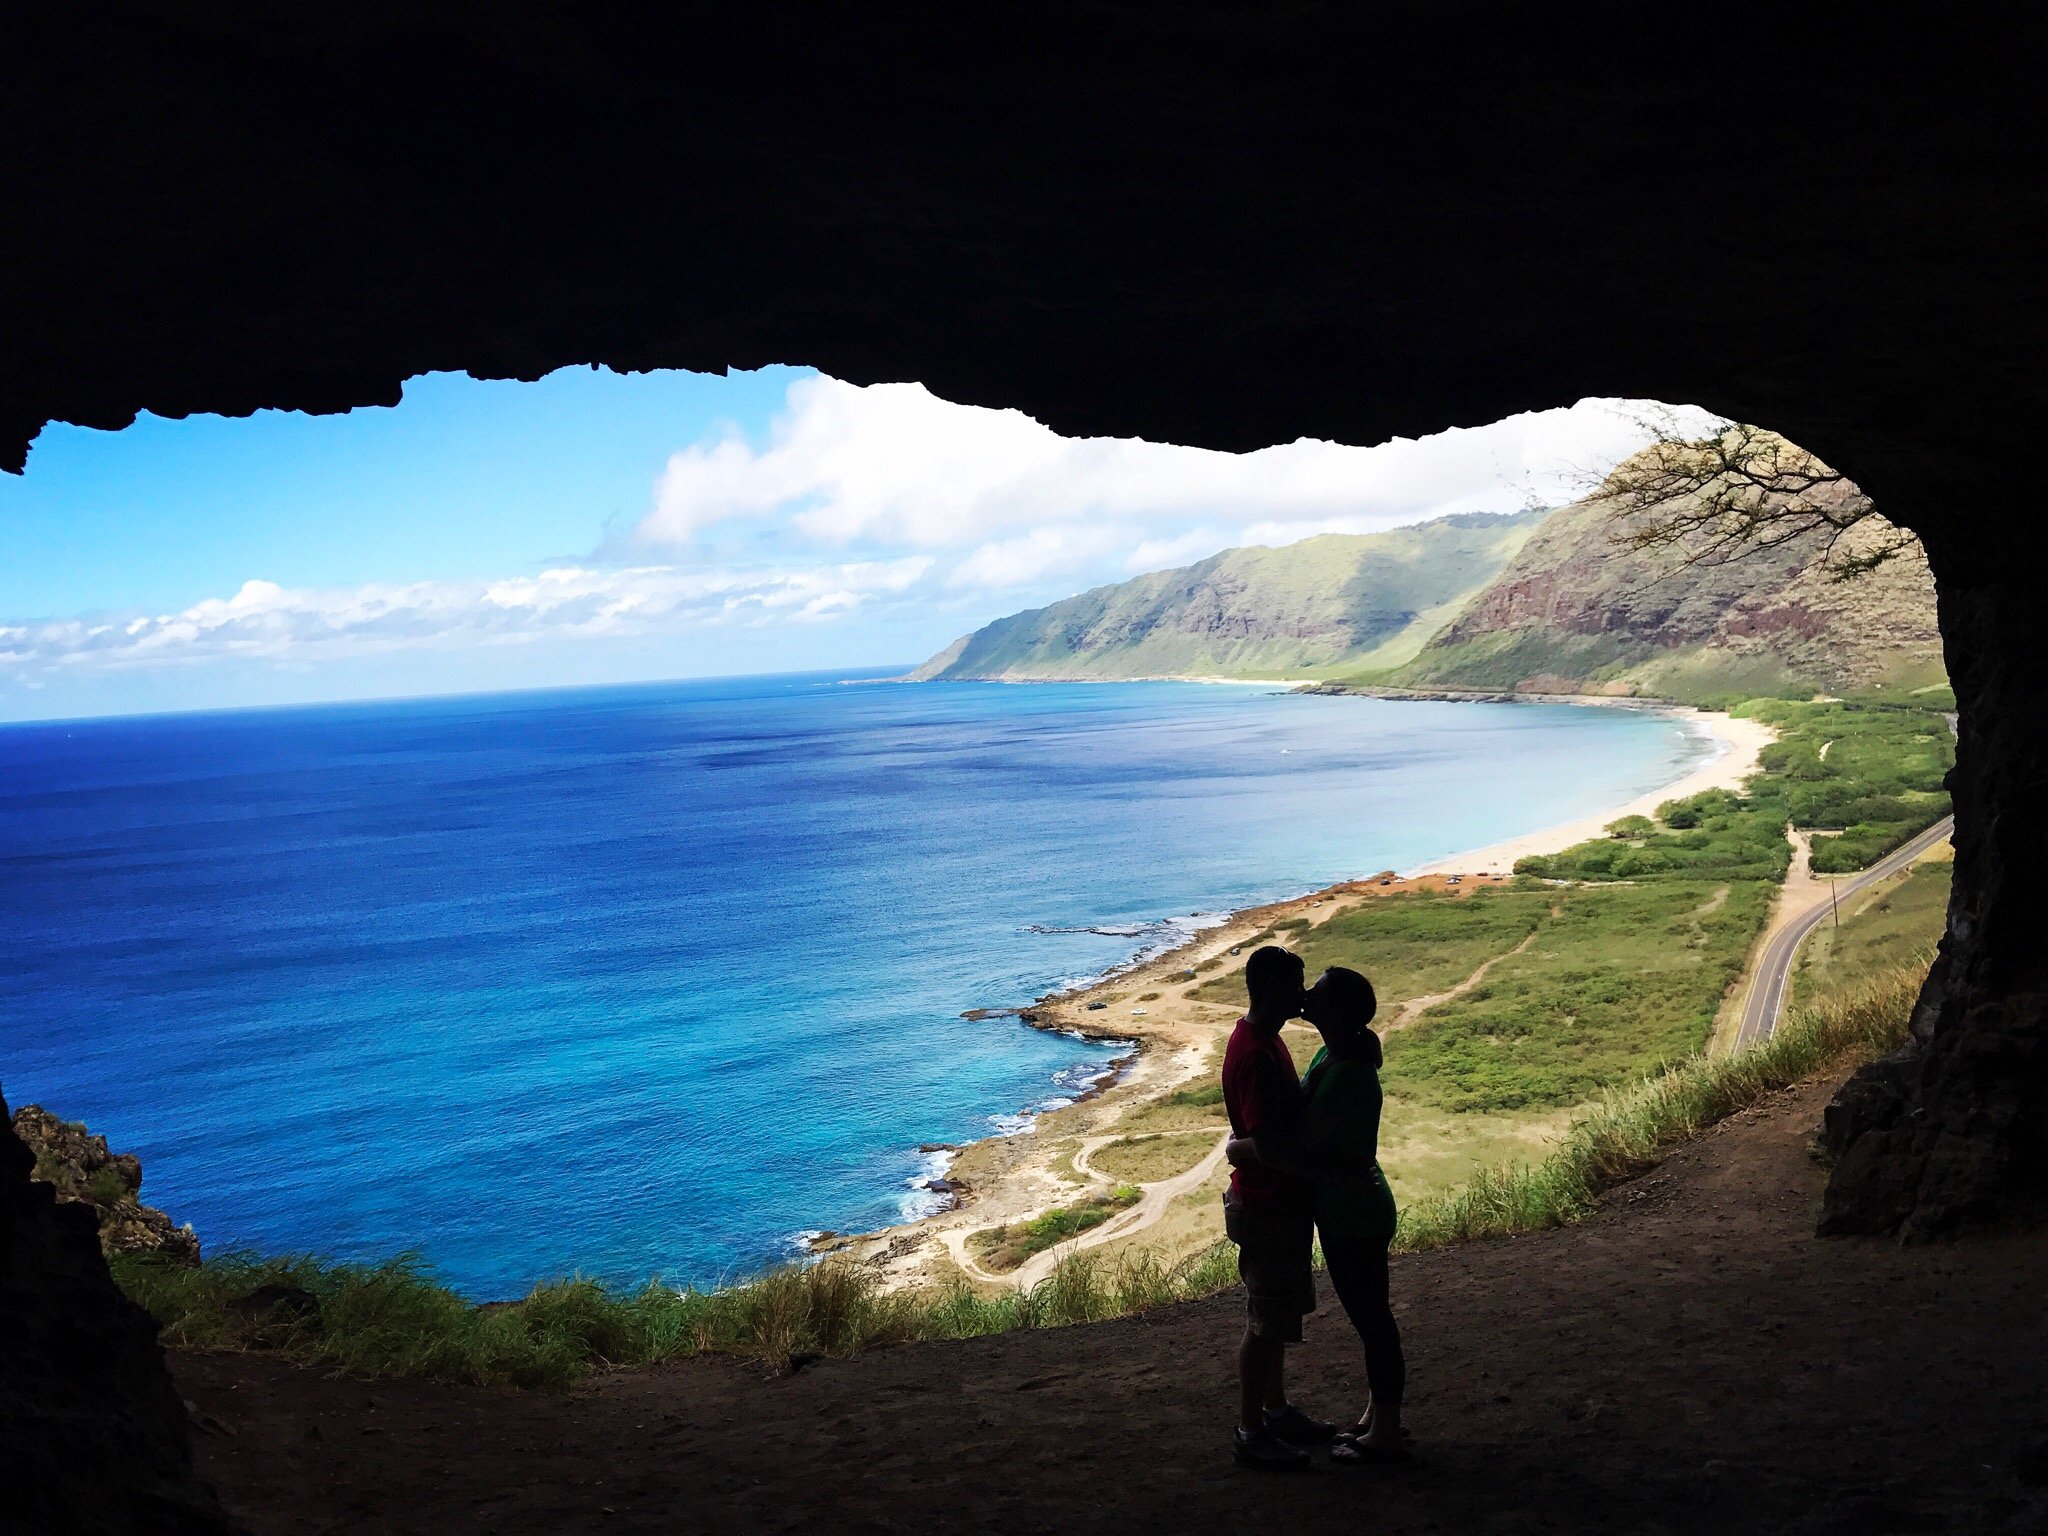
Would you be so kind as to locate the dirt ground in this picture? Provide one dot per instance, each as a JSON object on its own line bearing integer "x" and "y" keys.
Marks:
{"x": 1692, "y": 1359}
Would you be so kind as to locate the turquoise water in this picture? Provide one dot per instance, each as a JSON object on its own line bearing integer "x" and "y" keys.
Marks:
{"x": 650, "y": 980}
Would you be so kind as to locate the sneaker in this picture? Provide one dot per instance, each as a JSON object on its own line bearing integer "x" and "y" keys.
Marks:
{"x": 1297, "y": 1428}
{"x": 1266, "y": 1451}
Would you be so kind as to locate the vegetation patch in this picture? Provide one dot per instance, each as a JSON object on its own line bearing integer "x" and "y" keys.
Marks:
{"x": 1148, "y": 1159}
{"x": 1004, "y": 1248}
{"x": 1902, "y": 918}
{"x": 1414, "y": 943}
{"x": 1870, "y": 768}
{"x": 393, "y": 1319}
{"x": 1632, "y": 1129}
{"x": 1622, "y": 979}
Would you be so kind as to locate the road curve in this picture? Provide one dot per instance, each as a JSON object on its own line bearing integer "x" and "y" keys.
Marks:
{"x": 1767, "y": 989}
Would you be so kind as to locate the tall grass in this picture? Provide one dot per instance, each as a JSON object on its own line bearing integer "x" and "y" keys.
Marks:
{"x": 1631, "y": 1129}
{"x": 394, "y": 1319}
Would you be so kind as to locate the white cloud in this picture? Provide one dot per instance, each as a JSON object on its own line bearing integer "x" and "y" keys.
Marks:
{"x": 264, "y": 620}
{"x": 894, "y": 466}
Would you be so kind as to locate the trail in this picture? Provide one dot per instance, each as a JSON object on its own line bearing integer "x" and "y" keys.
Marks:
{"x": 1415, "y": 1007}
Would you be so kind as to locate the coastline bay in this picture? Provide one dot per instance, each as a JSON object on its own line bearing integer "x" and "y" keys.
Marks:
{"x": 648, "y": 980}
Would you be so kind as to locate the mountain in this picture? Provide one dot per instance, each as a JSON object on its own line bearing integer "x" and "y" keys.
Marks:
{"x": 1554, "y": 602}
{"x": 1331, "y": 603}
{"x": 1578, "y": 610}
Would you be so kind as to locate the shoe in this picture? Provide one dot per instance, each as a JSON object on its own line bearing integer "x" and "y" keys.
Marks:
{"x": 1266, "y": 1451}
{"x": 1297, "y": 1428}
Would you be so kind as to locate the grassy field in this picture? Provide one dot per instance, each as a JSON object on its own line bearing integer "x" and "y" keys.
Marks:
{"x": 1900, "y": 919}
{"x": 1148, "y": 1159}
{"x": 1631, "y": 1129}
{"x": 1869, "y": 768}
{"x": 1622, "y": 979}
{"x": 1409, "y": 945}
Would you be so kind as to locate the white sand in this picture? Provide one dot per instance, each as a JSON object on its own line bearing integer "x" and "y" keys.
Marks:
{"x": 1735, "y": 760}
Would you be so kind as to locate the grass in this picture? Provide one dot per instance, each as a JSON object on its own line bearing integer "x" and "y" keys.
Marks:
{"x": 1868, "y": 767}
{"x": 1411, "y": 944}
{"x": 1629, "y": 1130}
{"x": 1903, "y": 916}
{"x": 1004, "y": 1248}
{"x": 393, "y": 1319}
{"x": 1624, "y": 977}
{"x": 1148, "y": 1159}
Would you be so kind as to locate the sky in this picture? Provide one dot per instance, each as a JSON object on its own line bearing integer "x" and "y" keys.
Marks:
{"x": 593, "y": 527}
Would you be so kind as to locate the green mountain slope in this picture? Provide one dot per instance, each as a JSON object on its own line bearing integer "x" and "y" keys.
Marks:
{"x": 1338, "y": 602}
{"x": 1577, "y": 611}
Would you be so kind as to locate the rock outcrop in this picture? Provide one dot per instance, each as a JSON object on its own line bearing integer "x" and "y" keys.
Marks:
{"x": 78, "y": 1165}
{"x": 93, "y": 1435}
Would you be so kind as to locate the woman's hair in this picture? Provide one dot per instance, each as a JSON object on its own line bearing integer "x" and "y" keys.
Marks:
{"x": 1353, "y": 995}
{"x": 1355, "y": 1005}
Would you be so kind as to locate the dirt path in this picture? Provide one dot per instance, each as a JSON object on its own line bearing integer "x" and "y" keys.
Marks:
{"x": 1690, "y": 1360}
{"x": 1415, "y": 1007}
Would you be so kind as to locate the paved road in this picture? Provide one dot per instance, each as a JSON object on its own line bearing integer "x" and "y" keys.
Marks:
{"x": 1774, "y": 971}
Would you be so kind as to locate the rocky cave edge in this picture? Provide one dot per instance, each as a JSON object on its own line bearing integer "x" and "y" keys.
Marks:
{"x": 1226, "y": 226}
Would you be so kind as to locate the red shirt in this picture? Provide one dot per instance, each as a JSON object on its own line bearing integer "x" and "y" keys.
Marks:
{"x": 1262, "y": 1093}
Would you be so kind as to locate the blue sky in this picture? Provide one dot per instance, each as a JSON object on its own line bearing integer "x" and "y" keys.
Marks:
{"x": 592, "y": 527}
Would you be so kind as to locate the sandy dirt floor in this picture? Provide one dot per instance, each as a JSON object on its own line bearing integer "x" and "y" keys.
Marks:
{"x": 1691, "y": 1359}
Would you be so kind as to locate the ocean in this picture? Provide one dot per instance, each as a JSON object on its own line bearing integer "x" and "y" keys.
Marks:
{"x": 650, "y": 980}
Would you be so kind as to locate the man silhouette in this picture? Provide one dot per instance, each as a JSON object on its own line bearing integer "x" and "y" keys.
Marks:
{"x": 1270, "y": 1215}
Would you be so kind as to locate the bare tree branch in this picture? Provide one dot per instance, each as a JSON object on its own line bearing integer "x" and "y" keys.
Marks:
{"x": 1743, "y": 491}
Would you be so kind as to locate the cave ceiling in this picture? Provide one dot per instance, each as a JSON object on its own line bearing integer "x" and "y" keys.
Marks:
{"x": 1227, "y": 226}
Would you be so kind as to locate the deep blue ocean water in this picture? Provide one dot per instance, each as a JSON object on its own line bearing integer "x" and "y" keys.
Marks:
{"x": 648, "y": 980}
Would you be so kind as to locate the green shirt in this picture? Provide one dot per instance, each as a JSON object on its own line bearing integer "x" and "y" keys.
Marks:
{"x": 1341, "y": 1122}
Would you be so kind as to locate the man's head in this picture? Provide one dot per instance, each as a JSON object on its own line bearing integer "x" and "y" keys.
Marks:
{"x": 1273, "y": 978}
{"x": 1341, "y": 1004}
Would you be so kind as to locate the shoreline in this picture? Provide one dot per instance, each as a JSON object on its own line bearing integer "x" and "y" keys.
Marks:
{"x": 1150, "y": 1002}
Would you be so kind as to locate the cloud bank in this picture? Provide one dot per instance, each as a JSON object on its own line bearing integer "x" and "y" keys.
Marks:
{"x": 895, "y": 518}
{"x": 266, "y": 621}
{"x": 1013, "y": 502}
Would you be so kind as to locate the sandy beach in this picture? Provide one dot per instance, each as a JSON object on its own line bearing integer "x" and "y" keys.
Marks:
{"x": 1177, "y": 1033}
{"x": 1738, "y": 743}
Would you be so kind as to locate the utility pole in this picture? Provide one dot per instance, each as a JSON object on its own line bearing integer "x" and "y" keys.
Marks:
{"x": 1832, "y": 906}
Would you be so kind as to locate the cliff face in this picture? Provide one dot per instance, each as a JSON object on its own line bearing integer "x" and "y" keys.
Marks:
{"x": 1550, "y": 603}
{"x": 1577, "y": 609}
{"x": 1322, "y": 604}
{"x": 83, "y": 1171}
{"x": 92, "y": 1432}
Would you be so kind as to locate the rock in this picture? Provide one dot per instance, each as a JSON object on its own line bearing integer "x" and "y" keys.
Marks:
{"x": 79, "y": 1166}
{"x": 93, "y": 1436}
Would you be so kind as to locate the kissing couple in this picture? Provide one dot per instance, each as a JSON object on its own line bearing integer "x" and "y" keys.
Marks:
{"x": 1304, "y": 1155}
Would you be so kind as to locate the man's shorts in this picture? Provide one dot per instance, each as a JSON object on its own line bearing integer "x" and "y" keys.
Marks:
{"x": 1273, "y": 1260}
